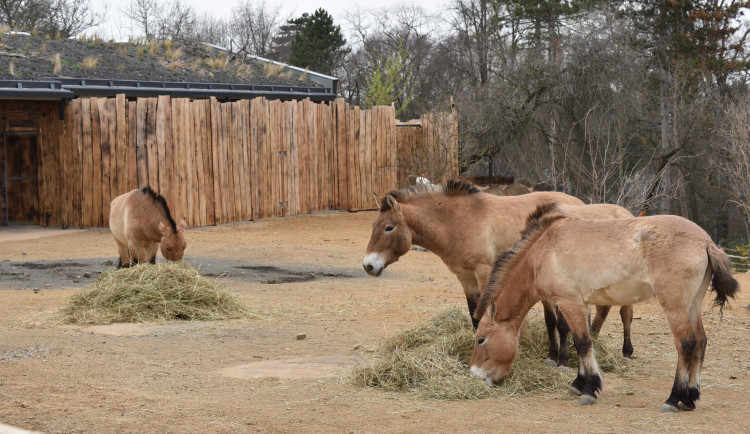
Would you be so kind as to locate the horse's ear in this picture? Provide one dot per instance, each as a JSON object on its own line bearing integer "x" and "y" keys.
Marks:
{"x": 162, "y": 227}
{"x": 392, "y": 202}
{"x": 377, "y": 200}
{"x": 492, "y": 311}
{"x": 181, "y": 225}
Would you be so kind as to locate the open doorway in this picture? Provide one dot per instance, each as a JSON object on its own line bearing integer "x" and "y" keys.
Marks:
{"x": 19, "y": 186}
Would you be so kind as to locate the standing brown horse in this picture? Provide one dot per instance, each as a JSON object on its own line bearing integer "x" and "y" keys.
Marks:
{"x": 140, "y": 220}
{"x": 467, "y": 229}
{"x": 576, "y": 262}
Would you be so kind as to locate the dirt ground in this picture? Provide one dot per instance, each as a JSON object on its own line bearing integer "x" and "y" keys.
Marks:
{"x": 304, "y": 275}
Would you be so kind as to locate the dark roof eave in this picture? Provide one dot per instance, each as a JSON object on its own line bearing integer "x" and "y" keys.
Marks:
{"x": 102, "y": 91}
{"x": 36, "y": 94}
{"x": 67, "y": 88}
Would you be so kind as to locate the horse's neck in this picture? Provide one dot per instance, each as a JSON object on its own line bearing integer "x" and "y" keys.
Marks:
{"x": 148, "y": 222}
{"x": 519, "y": 293}
{"x": 426, "y": 225}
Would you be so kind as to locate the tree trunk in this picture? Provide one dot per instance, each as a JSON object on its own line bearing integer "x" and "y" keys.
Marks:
{"x": 665, "y": 117}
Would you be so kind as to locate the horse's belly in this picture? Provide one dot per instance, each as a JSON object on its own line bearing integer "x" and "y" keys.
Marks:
{"x": 619, "y": 294}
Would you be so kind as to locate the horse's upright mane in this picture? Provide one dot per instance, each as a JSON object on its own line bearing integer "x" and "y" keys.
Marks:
{"x": 536, "y": 223}
{"x": 160, "y": 202}
{"x": 451, "y": 188}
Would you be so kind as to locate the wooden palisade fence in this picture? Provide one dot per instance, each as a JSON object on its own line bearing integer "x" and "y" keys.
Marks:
{"x": 219, "y": 162}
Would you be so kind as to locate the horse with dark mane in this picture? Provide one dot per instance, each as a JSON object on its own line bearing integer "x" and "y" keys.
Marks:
{"x": 140, "y": 222}
{"x": 467, "y": 229}
{"x": 577, "y": 262}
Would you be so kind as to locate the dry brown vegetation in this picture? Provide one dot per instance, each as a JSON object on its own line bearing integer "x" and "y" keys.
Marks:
{"x": 160, "y": 292}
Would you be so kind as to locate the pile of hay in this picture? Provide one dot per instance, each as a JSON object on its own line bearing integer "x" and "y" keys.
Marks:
{"x": 432, "y": 361}
{"x": 158, "y": 292}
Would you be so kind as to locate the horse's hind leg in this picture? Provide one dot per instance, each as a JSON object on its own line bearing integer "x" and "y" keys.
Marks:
{"x": 686, "y": 343}
{"x": 690, "y": 341}
{"x": 696, "y": 363}
{"x": 599, "y": 317}
{"x": 588, "y": 382}
{"x": 550, "y": 320}
{"x": 563, "y": 330}
{"x": 473, "y": 293}
{"x": 626, "y": 314}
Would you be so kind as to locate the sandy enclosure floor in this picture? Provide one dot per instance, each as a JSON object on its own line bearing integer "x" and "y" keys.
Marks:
{"x": 304, "y": 275}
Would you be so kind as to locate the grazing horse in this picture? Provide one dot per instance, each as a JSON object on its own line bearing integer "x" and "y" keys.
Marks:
{"x": 576, "y": 262}
{"x": 467, "y": 229}
{"x": 140, "y": 220}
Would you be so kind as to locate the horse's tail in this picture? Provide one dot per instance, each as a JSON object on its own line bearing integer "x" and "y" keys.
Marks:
{"x": 722, "y": 282}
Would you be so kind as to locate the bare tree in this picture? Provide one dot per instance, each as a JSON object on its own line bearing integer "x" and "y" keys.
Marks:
{"x": 66, "y": 17}
{"x": 176, "y": 21}
{"x": 70, "y": 17}
{"x": 143, "y": 12}
{"x": 387, "y": 34}
{"x": 212, "y": 30}
{"x": 732, "y": 160}
{"x": 254, "y": 26}
{"x": 24, "y": 14}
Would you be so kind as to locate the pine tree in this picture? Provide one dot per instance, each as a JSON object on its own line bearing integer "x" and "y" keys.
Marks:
{"x": 319, "y": 45}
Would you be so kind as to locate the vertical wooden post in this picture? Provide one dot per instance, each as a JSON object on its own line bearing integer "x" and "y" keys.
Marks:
{"x": 141, "y": 151}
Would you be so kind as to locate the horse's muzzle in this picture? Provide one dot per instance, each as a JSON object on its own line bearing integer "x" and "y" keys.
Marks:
{"x": 374, "y": 264}
{"x": 372, "y": 271}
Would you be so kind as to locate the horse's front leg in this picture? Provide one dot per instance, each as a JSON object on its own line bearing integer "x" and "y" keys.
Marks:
{"x": 122, "y": 250}
{"x": 151, "y": 255}
{"x": 588, "y": 382}
{"x": 138, "y": 253}
{"x": 473, "y": 294}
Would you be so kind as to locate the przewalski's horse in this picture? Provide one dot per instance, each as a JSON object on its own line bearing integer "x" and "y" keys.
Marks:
{"x": 466, "y": 228}
{"x": 140, "y": 220}
{"x": 620, "y": 261}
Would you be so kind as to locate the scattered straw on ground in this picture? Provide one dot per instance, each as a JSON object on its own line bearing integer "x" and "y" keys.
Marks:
{"x": 158, "y": 292}
{"x": 432, "y": 361}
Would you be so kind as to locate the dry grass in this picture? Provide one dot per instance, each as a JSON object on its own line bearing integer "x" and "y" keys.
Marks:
{"x": 90, "y": 62}
{"x": 153, "y": 47}
{"x": 176, "y": 54}
{"x": 432, "y": 361}
{"x": 159, "y": 292}
{"x": 272, "y": 69}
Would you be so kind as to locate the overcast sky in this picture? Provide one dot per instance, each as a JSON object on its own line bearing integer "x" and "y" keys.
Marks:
{"x": 118, "y": 26}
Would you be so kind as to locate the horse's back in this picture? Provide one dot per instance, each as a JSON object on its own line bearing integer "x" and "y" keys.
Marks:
{"x": 637, "y": 235}
{"x": 595, "y": 211}
{"x": 618, "y": 261}
{"x": 517, "y": 208}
